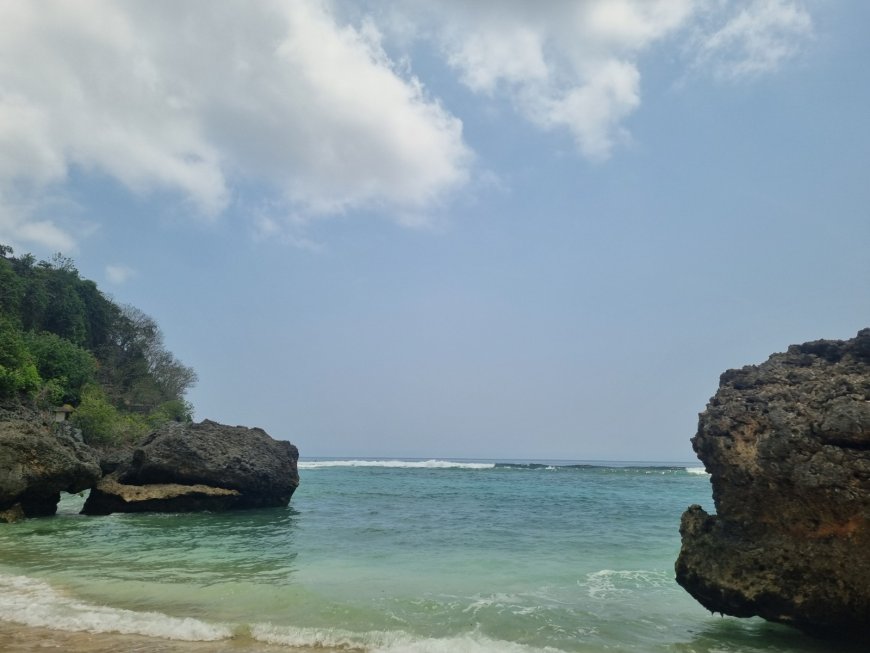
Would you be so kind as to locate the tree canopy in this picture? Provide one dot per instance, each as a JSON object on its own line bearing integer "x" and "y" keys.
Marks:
{"x": 63, "y": 341}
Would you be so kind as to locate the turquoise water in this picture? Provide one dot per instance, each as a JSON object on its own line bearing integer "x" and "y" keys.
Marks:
{"x": 413, "y": 556}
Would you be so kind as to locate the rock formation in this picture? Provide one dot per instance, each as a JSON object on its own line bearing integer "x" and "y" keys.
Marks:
{"x": 787, "y": 444}
{"x": 39, "y": 460}
{"x": 204, "y": 466}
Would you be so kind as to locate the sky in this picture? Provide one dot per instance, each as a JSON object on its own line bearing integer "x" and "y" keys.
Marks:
{"x": 501, "y": 229}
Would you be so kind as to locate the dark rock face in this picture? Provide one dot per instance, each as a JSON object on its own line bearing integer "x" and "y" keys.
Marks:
{"x": 787, "y": 444}
{"x": 221, "y": 467}
{"x": 39, "y": 460}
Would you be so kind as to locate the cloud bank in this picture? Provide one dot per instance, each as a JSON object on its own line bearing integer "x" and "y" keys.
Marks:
{"x": 192, "y": 98}
{"x": 575, "y": 66}
{"x": 198, "y": 100}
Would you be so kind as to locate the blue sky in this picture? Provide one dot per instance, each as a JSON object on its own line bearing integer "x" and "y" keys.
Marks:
{"x": 493, "y": 229}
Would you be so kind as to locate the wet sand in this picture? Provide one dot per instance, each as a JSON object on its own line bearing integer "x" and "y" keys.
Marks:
{"x": 15, "y": 638}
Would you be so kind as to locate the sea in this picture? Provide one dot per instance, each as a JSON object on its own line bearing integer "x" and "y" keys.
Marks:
{"x": 384, "y": 556}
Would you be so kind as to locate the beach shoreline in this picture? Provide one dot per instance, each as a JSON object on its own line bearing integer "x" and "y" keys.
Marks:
{"x": 19, "y": 638}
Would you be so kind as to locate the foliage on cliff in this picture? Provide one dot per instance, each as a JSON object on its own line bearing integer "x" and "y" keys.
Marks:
{"x": 63, "y": 341}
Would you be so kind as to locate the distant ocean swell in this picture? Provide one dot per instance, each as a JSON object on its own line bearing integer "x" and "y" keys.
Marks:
{"x": 651, "y": 468}
{"x": 32, "y": 602}
{"x": 395, "y": 464}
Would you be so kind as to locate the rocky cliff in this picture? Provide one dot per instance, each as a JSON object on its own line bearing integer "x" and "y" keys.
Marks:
{"x": 787, "y": 444}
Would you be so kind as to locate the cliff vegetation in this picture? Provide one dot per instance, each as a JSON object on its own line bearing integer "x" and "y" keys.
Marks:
{"x": 63, "y": 341}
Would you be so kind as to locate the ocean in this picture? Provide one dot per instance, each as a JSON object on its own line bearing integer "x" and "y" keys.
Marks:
{"x": 392, "y": 556}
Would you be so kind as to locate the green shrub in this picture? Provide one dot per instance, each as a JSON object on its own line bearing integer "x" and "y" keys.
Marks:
{"x": 96, "y": 417}
{"x": 28, "y": 378}
{"x": 8, "y": 383}
{"x": 131, "y": 428}
{"x": 175, "y": 410}
{"x": 68, "y": 364}
{"x": 18, "y": 373}
{"x": 51, "y": 394}
{"x": 103, "y": 424}
{"x": 19, "y": 379}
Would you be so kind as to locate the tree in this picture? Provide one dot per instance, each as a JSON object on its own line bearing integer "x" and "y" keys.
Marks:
{"x": 139, "y": 372}
{"x": 59, "y": 334}
{"x": 11, "y": 289}
{"x": 63, "y": 361}
{"x": 100, "y": 314}
{"x": 18, "y": 373}
{"x": 34, "y": 297}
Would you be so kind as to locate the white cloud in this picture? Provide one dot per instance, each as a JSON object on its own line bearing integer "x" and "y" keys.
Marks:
{"x": 594, "y": 110}
{"x": 756, "y": 40}
{"x": 202, "y": 99}
{"x": 575, "y": 66}
{"x": 564, "y": 65}
{"x": 21, "y": 223}
{"x": 118, "y": 274}
{"x": 512, "y": 54}
{"x": 197, "y": 97}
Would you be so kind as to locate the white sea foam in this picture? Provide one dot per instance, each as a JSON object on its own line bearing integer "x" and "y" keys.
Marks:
{"x": 697, "y": 470}
{"x": 466, "y": 644}
{"x": 326, "y": 637}
{"x": 33, "y": 602}
{"x": 410, "y": 464}
{"x": 385, "y": 641}
{"x": 609, "y": 583}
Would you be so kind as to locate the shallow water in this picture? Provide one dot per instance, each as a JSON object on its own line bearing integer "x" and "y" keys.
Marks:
{"x": 386, "y": 556}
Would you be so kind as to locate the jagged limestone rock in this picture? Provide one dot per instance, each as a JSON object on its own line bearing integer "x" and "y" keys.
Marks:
{"x": 232, "y": 467}
{"x": 39, "y": 460}
{"x": 787, "y": 444}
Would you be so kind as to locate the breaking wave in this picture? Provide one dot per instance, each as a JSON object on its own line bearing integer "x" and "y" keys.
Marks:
{"x": 32, "y": 602}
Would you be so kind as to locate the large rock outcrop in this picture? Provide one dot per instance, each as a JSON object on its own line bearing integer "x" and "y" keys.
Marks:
{"x": 787, "y": 444}
{"x": 39, "y": 460}
{"x": 204, "y": 466}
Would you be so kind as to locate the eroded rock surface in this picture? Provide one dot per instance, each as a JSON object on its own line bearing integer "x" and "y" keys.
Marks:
{"x": 111, "y": 496}
{"x": 38, "y": 461}
{"x": 787, "y": 444}
{"x": 204, "y": 466}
